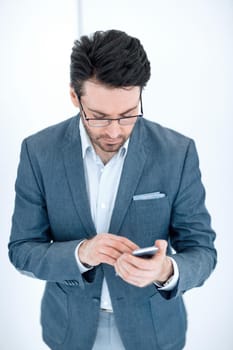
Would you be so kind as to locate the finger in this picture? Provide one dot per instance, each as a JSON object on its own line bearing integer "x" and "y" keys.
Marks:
{"x": 122, "y": 239}
{"x": 139, "y": 263}
{"x": 105, "y": 259}
{"x": 126, "y": 269}
{"x": 133, "y": 276}
{"x": 128, "y": 243}
{"x": 162, "y": 245}
{"x": 123, "y": 245}
{"x": 125, "y": 242}
{"x": 111, "y": 252}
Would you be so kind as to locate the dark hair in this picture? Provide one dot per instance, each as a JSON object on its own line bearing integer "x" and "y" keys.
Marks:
{"x": 111, "y": 57}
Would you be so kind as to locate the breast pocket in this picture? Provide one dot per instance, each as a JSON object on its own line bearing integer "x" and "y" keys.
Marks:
{"x": 150, "y": 217}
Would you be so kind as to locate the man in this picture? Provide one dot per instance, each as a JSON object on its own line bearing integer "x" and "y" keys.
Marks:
{"x": 94, "y": 188}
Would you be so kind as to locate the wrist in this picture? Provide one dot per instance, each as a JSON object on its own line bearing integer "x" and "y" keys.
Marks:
{"x": 81, "y": 255}
{"x": 167, "y": 272}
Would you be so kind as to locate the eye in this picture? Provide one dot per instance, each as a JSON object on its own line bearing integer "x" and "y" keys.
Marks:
{"x": 98, "y": 116}
{"x": 128, "y": 115}
{"x": 131, "y": 113}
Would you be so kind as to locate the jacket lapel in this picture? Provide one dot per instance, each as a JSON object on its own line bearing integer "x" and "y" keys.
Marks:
{"x": 73, "y": 162}
{"x": 131, "y": 174}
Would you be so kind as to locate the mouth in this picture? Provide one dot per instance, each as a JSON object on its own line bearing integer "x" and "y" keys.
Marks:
{"x": 112, "y": 141}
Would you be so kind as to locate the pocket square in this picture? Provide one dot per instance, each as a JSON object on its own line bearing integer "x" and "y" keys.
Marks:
{"x": 146, "y": 196}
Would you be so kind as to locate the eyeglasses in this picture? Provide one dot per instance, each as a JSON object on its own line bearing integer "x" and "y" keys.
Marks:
{"x": 103, "y": 122}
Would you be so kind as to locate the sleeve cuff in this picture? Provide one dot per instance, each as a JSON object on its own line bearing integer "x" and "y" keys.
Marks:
{"x": 172, "y": 281}
{"x": 81, "y": 267}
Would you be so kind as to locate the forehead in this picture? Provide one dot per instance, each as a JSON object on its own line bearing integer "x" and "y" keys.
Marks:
{"x": 108, "y": 99}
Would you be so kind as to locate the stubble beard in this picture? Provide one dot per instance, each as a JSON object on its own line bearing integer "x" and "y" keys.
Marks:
{"x": 105, "y": 143}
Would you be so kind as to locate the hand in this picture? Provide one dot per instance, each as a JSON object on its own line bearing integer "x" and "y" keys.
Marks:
{"x": 104, "y": 248}
{"x": 141, "y": 272}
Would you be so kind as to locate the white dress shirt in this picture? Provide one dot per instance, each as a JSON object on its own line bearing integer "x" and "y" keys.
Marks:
{"x": 102, "y": 182}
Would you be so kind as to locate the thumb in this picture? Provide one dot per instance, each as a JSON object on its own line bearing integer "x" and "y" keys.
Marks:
{"x": 162, "y": 245}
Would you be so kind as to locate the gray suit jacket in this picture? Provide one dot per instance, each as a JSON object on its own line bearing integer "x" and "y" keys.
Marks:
{"x": 52, "y": 215}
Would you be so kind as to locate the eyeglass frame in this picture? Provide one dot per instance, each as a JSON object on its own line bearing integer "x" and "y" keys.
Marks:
{"x": 110, "y": 120}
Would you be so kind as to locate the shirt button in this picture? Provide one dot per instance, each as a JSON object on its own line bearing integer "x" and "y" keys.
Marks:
{"x": 103, "y": 206}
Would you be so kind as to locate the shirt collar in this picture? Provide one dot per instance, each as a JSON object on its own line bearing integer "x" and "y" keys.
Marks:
{"x": 87, "y": 145}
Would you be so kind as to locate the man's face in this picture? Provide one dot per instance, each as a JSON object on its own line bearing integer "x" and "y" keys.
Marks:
{"x": 100, "y": 101}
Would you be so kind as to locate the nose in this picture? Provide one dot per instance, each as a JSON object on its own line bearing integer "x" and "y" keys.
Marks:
{"x": 114, "y": 129}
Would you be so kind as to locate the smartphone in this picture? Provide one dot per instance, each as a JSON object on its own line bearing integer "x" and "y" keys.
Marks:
{"x": 145, "y": 253}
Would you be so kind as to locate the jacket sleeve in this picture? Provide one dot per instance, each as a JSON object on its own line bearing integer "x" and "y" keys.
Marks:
{"x": 191, "y": 234}
{"x": 31, "y": 248}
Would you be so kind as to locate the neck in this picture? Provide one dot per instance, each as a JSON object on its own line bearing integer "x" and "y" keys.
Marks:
{"x": 104, "y": 156}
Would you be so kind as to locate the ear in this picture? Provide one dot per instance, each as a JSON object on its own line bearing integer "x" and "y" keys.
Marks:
{"x": 74, "y": 97}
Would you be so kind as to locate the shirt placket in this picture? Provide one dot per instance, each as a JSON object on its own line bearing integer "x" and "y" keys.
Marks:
{"x": 103, "y": 207}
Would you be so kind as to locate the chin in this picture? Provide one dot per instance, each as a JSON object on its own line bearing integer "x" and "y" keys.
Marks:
{"x": 112, "y": 149}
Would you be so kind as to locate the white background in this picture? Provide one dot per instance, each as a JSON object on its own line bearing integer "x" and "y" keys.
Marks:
{"x": 190, "y": 46}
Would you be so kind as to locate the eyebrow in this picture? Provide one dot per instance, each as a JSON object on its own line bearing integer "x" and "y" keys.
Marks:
{"x": 105, "y": 115}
